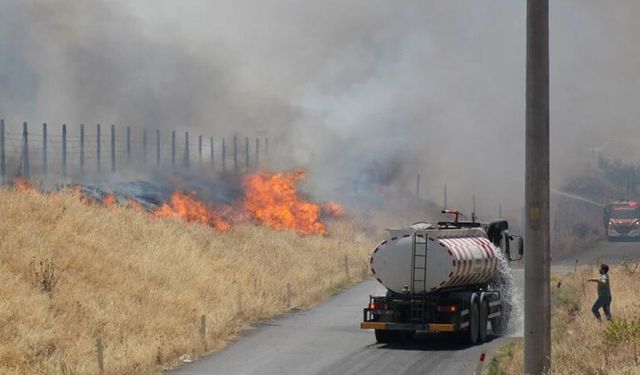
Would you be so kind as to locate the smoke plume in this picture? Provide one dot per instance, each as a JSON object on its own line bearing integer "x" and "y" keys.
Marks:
{"x": 365, "y": 93}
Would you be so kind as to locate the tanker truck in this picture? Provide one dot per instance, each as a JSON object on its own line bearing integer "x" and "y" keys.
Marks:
{"x": 447, "y": 277}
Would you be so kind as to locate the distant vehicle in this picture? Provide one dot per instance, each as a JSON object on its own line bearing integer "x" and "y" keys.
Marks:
{"x": 441, "y": 278}
{"x": 622, "y": 220}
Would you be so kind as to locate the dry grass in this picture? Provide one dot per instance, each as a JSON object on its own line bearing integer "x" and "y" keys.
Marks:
{"x": 581, "y": 345}
{"x": 70, "y": 273}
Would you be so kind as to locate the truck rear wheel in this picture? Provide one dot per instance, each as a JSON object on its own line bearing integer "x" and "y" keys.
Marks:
{"x": 382, "y": 336}
{"x": 482, "y": 329}
{"x": 392, "y": 337}
{"x": 474, "y": 325}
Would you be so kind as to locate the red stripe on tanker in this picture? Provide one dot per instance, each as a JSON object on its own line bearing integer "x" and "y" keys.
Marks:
{"x": 469, "y": 258}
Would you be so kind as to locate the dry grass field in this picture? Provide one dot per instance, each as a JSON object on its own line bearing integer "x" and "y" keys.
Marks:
{"x": 72, "y": 272}
{"x": 580, "y": 344}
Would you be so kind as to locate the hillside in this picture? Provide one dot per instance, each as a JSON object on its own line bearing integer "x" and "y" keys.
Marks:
{"x": 71, "y": 272}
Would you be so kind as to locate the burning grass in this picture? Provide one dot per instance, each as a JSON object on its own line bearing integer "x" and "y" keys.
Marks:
{"x": 268, "y": 198}
{"x": 72, "y": 272}
{"x": 580, "y": 344}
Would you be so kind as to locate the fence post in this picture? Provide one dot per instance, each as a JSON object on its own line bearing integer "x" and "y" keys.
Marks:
{"x": 157, "y": 146}
{"x": 113, "y": 148}
{"x": 173, "y": 148}
{"x": 45, "y": 165}
{"x": 82, "y": 150}
{"x": 3, "y": 165}
{"x": 144, "y": 145}
{"x": 98, "y": 149}
{"x": 200, "y": 149}
{"x": 128, "y": 144}
{"x": 186, "y": 161}
{"x": 246, "y": 150}
{"x": 100, "y": 355}
{"x": 288, "y": 295}
{"x": 346, "y": 266}
{"x": 203, "y": 331}
{"x": 224, "y": 156}
{"x": 235, "y": 153}
{"x": 213, "y": 164}
{"x": 26, "y": 170}
{"x": 64, "y": 150}
{"x": 257, "y": 163}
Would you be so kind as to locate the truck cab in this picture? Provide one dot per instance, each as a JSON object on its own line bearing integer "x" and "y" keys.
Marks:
{"x": 622, "y": 220}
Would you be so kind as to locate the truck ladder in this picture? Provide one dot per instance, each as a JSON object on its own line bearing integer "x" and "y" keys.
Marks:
{"x": 418, "y": 275}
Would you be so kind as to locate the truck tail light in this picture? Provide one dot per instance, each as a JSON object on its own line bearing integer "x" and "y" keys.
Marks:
{"x": 376, "y": 306}
{"x": 447, "y": 308}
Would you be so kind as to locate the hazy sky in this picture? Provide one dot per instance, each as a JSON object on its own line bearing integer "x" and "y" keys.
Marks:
{"x": 364, "y": 92}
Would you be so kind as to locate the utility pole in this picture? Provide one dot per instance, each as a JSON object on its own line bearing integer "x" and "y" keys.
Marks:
{"x": 537, "y": 312}
{"x": 418, "y": 185}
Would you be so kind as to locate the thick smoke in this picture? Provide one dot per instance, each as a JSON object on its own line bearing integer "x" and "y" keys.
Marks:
{"x": 366, "y": 93}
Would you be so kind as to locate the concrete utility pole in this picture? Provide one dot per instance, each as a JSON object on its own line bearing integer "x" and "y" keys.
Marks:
{"x": 537, "y": 313}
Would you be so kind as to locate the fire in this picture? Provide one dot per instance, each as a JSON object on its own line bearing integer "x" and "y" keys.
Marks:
{"x": 24, "y": 185}
{"x": 191, "y": 210}
{"x": 272, "y": 200}
{"x": 332, "y": 209}
{"x": 135, "y": 205}
{"x": 269, "y": 199}
{"x": 109, "y": 200}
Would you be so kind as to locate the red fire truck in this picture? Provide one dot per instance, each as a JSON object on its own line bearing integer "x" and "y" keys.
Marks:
{"x": 622, "y": 220}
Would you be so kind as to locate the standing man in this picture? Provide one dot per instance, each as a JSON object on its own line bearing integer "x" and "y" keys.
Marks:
{"x": 604, "y": 293}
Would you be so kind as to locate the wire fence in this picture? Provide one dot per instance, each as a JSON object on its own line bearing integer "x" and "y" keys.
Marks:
{"x": 64, "y": 153}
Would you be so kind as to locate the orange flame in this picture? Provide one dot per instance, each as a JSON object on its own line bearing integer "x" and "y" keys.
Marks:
{"x": 109, "y": 200}
{"x": 190, "y": 210}
{"x": 272, "y": 200}
{"x": 269, "y": 199}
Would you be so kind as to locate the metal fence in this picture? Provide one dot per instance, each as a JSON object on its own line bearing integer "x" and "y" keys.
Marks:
{"x": 71, "y": 153}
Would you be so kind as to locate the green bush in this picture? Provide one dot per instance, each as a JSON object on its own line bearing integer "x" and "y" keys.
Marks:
{"x": 622, "y": 332}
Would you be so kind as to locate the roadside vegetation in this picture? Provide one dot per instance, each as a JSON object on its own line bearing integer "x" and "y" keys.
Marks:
{"x": 580, "y": 344}
{"x": 72, "y": 272}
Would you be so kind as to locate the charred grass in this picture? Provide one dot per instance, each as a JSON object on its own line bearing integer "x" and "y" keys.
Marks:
{"x": 580, "y": 344}
{"x": 72, "y": 272}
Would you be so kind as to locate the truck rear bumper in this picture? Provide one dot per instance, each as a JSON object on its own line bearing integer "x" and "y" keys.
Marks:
{"x": 431, "y": 328}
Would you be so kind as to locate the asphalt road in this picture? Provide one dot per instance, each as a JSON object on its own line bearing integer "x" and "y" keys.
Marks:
{"x": 328, "y": 340}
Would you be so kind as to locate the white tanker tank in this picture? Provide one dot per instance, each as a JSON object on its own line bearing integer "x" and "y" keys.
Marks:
{"x": 439, "y": 259}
